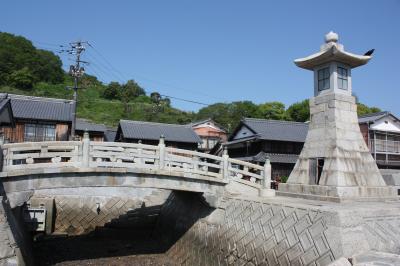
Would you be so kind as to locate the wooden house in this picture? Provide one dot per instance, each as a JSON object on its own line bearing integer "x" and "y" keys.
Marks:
{"x": 97, "y": 132}
{"x": 38, "y": 119}
{"x": 46, "y": 119}
{"x": 256, "y": 139}
{"x": 177, "y": 136}
{"x": 210, "y": 134}
{"x": 381, "y": 132}
{"x": 6, "y": 113}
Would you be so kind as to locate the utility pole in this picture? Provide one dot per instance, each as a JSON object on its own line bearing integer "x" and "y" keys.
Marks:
{"x": 76, "y": 71}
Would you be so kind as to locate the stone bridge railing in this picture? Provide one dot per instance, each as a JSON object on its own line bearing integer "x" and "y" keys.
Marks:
{"x": 87, "y": 154}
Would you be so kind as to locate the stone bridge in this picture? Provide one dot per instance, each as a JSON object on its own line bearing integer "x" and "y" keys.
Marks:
{"x": 206, "y": 210}
{"x": 34, "y": 166}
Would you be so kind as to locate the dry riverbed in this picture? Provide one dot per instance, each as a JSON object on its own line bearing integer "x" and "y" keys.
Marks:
{"x": 102, "y": 247}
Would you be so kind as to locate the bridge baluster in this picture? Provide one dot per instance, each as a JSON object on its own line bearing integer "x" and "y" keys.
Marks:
{"x": 195, "y": 163}
{"x": 140, "y": 155}
{"x": 161, "y": 152}
{"x": 266, "y": 190}
{"x": 225, "y": 164}
{"x": 85, "y": 149}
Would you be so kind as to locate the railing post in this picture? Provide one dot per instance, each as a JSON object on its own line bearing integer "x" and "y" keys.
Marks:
{"x": 225, "y": 164}
{"x": 161, "y": 150}
{"x": 140, "y": 152}
{"x": 85, "y": 149}
{"x": 2, "y": 157}
{"x": 266, "y": 190}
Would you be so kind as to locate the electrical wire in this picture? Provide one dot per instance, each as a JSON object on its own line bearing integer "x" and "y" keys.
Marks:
{"x": 111, "y": 70}
{"x": 149, "y": 79}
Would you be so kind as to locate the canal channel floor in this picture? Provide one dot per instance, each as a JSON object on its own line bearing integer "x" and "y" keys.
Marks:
{"x": 102, "y": 247}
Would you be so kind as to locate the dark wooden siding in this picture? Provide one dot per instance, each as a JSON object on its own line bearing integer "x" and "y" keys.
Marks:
{"x": 62, "y": 132}
{"x": 364, "y": 132}
{"x": 14, "y": 134}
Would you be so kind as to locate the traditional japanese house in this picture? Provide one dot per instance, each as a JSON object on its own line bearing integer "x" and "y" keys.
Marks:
{"x": 38, "y": 119}
{"x": 256, "y": 139}
{"x": 210, "y": 133}
{"x": 110, "y": 134}
{"x": 96, "y": 131}
{"x": 178, "y": 136}
{"x": 6, "y": 113}
{"x": 381, "y": 132}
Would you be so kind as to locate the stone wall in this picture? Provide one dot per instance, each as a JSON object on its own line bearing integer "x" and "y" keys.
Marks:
{"x": 15, "y": 242}
{"x": 248, "y": 232}
{"x": 7, "y": 242}
{"x": 179, "y": 213}
{"x": 284, "y": 231}
{"x": 76, "y": 210}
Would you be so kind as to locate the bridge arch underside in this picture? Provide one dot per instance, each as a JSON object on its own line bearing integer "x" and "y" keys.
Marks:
{"x": 19, "y": 188}
{"x": 97, "y": 223}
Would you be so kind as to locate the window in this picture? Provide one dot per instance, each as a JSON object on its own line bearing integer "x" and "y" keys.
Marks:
{"x": 323, "y": 79}
{"x": 342, "y": 78}
{"x": 39, "y": 132}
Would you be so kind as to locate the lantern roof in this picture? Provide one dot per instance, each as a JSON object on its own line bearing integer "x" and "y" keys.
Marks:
{"x": 331, "y": 51}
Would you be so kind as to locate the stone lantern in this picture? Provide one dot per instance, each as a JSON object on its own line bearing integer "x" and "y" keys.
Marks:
{"x": 335, "y": 163}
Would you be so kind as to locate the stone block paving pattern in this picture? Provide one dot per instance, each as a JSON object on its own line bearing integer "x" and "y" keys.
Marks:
{"x": 255, "y": 233}
{"x": 76, "y": 216}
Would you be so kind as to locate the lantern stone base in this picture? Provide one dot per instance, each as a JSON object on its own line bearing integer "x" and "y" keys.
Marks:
{"x": 338, "y": 194}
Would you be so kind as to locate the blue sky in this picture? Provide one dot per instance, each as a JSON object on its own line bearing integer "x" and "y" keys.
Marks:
{"x": 219, "y": 51}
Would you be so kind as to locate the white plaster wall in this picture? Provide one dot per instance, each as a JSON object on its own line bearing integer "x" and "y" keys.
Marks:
{"x": 243, "y": 133}
{"x": 389, "y": 126}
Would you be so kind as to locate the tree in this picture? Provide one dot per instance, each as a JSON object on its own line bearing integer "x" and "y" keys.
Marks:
{"x": 89, "y": 80}
{"x": 271, "y": 110}
{"x": 22, "y": 79}
{"x": 131, "y": 90}
{"x": 155, "y": 97}
{"x": 299, "y": 111}
{"x": 363, "y": 109}
{"x": 228, "y": 115}
{"x": 48, "y": 67}
{"x": 17, "y": 53}
{"x": 113, "y": 91}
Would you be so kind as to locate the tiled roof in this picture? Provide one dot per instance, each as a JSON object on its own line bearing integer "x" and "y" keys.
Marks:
{"x": 277, "y": 130}
{"x": 152, "y": 131}
{"x": 6, "y": 113}
{"x": 276, "y": 157}
{"x": 273, "y": 157}
{"x": 109, "y": 135}
{"x": 82, "y": 124}
{"x": 198, "y": 123}
{"x": 38, "y": 108}
{"x": 3, "y": 103}
{"x": 372, "y": 117}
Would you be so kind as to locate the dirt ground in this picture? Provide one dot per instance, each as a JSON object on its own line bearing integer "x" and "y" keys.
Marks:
{"x": 102, "y": 247}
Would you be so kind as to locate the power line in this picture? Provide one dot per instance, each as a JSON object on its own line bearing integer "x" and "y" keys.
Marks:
{"x": 90, "y": 66}
{"x": 108, "y": 69}
{"x": 104, "y": 69}
{"x": 108, "y": 62}
{"x": 181, "y": 99}
{"x": 151, "y": 80}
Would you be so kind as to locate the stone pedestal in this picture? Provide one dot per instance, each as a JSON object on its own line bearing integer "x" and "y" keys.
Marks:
{"x": 334, "y": 138}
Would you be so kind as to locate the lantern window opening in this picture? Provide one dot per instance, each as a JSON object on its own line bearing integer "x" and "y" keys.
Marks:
{"x": 342, "y": 78}
{"x": 323, "y": 79}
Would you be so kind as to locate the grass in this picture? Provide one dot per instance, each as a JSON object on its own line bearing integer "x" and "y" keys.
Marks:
{"x": 92, "y": 106}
